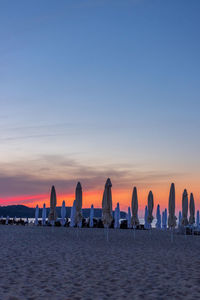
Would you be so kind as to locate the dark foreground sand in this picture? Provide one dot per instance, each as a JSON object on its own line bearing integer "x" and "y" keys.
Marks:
{"x": 41, "y": 263}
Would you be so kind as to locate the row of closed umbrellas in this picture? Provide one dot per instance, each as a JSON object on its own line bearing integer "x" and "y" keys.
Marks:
{"x": 107, "y": 212}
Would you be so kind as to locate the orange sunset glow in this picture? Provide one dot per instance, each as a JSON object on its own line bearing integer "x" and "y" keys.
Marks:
{"x": 123, "y": 196}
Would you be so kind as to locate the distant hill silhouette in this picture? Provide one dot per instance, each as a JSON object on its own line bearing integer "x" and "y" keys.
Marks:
{"x": 22, "y": 211}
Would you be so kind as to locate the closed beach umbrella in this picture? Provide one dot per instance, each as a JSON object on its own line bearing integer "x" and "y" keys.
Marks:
{"x": 73, "y": 214}
{"x": 158, "y": 217}
{"x": 184, "y": 221}
{"x": 44, "y": 215}
{"x": 163, "y": 220}
{"x": 179, "y": 219}
{"x": 192, "y": 210}
{"x": 134, "y": 204}
{"x": 129, "y": 217}
{"x": 150, "y": 208}
{"x": 52, "y": 217}
{"x": 7, "y": 220}
{"x": 36, "y": 215}
{"x": 146, "y": 225}
{"x": 63, "y": 213}
{"x": 165, "y": 217}
{"x": 197, "y": 220}
{"x": 118, "y": 214}
{"x": 78, "y": 218}
{"x": 171, "y": 207}
{"x": 107, "y": 204}
{"x": 117, "y": 217}
{"x": 91, "y": 216}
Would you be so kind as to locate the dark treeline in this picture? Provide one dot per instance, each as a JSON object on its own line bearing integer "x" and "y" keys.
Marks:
{"x": 22, "y": 211}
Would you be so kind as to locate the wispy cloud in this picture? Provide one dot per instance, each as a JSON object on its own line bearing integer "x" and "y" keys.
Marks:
{"x": 36, "y": 176}
{"x": 25, "y": 137}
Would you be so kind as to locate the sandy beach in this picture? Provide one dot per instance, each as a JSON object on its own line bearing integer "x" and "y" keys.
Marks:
{"x": 66, "y": 263}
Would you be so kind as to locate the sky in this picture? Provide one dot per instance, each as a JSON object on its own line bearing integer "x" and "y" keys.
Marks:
{"x": 91, "y": 89}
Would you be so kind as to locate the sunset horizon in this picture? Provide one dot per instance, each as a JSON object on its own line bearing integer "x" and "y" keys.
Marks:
{"x": 123, "y": 197}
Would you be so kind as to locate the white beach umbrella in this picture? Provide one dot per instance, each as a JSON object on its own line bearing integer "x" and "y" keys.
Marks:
{"x": 179, "y": 219}
{"x": 36, "y": 215}
{"x": 171, "y": 207}
{"x": 73, "y": 214}
{"x": 7, "y": 220}
{"x": 52, "y": 217}
{"x": 78, "y": 218}
{"x": 158, "y": 217}
{"x": 150, "y": 208}
{"x": 146, "y": 224}
{"x": 192, "y": 210}
{"x": 107, "y": 204}
{"x": 92, "y": 216}
{"x": 197, "y": 219}
{"x": 164, "y": 219}
{"x": 129, "y": 217}
{"x": 134, "y": 204}
{"x": 63, "y": 213}
{"x": 117, "y": 217}
{"x": 184, "y": 208}
{"x": 44, "y": 214}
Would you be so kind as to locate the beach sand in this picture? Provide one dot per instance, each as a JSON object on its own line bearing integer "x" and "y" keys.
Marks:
{"x": 69, "y": 263}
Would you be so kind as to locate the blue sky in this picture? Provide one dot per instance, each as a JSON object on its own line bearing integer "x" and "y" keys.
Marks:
{"x": 108, "y": 85}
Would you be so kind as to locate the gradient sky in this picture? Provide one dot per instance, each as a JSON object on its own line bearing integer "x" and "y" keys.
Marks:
{"x": 94, "y": 88}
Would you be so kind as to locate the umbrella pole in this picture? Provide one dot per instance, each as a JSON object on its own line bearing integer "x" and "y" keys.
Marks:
{"x": 134, "y": 232}
{"x": 149, "y": 225}
{"x": 172, "y": 236}
{"x": 52, "y": 226}
{"x": 105, "y": 231}
{"x": 77, "y": 231}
